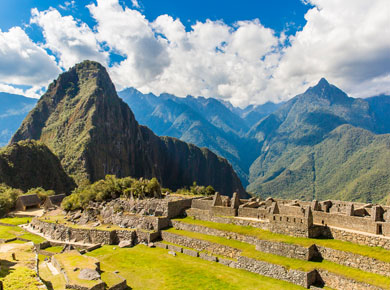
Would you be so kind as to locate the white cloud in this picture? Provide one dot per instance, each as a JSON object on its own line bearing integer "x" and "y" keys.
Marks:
{"x": 72, "y": 42}
{"x": 33, "y": 92}
{"x": 135, "y": 3}
{"x": 23, "y": 62}
{"x": 348, "y": 42}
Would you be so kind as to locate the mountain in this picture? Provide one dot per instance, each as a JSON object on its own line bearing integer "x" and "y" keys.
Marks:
{"x": 380, "y": 106}
{"x": 309, "y": 148}
{"x": 209, "y": 123}
{"x": 94, "y": 133}
{"x": 13, "y": 109}
{"x": 29, "y": 164}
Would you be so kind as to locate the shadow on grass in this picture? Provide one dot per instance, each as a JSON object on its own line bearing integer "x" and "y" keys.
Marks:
{"x": 5, "y": 267}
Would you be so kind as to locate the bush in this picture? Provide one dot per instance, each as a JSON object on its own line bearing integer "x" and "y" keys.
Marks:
{"x": 42, "y": 193}
{"x": 8, "y": 197}
{"x": 197, "y": 190}
{"x": 110, "y": 188}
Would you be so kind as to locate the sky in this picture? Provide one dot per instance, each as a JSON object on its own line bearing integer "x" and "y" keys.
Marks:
{"x": 245, "y": 52}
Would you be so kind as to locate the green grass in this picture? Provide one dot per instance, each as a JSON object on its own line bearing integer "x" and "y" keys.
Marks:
{"x": 9, "y": 232}
{"x": 53, "y": 282}
{"x": 372, "y": 252}
{"x": 16, "y": 220}
{"x": 56, "y": 249}
{"x": 290, "y": 263}
{"x": 110, "y": 278}
{"x": 70, "y": 261}
{"x": 154, "y": 268}
{"x": 21, "y": 278}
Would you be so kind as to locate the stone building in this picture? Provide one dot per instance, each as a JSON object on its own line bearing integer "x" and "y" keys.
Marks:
{"x": 27, "y": 201}
{"x": 53, "y": 201}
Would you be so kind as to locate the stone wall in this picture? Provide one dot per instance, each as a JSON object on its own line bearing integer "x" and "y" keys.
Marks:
{"x": 287, "y": 250}
{"x": 204, "y": 215}
{"x": 290, "y": 225}
{"x": 200, "y": 245}
{"x": 335, "y": 281}
{"x": 356, "y": 261}
{"x": 272, "y": 247}
{"x": 89, "y": 236}
{"x": 223, "y": 211}
{"x": 304, "y": 279}
{"x": 343, "y": 221}
{"x": 358, "y": 238}
{"x": 204, "y": 204}
{"x": 176, "y": 208}
{"x": 65, "y": 233}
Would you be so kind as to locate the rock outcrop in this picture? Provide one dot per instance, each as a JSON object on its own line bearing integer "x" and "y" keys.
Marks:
{"x": 94, "y": 133}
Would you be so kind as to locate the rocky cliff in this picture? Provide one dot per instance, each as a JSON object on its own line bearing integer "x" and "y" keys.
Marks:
{"x": 94, "y": 133}
{"x": 29, "y": 164}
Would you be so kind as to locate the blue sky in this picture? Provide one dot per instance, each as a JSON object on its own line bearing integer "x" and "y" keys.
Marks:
{"x": 247, "y": 52}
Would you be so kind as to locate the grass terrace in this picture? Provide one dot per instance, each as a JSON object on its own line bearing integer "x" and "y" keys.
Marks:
{"x": 73, "y": 259}
{"x": 154, "y": 268}
{"x": 18, "y": 274}
{"x": 372, "y": 252}
{"x": 16, "y": 220}
{"x": 55, "y": 249}
{"x": 290, "y": 263}
{"x": 11, "y": 232}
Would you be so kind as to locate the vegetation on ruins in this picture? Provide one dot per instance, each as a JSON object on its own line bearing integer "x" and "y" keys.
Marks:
{"x": 110, "y": 188}
{"x": 8, "y": 197}
{"x": 196, "y": 190}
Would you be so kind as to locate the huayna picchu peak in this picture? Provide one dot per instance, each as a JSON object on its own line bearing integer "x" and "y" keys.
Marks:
{"x": 94, "y": 133}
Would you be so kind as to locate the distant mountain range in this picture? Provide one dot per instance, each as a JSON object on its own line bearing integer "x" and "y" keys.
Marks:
{"x": 13, "y": 109}
{"x": 93, "y": 132}
{"x": 320, "y": 144}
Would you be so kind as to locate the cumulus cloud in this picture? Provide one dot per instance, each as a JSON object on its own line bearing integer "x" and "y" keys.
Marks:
{"x": 347, "y": 42}
{"x": 21, "y": 60}
{"x": 71, "y": 41}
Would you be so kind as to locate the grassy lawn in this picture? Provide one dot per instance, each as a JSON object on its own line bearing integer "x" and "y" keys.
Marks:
{"x": 16, "y": 220}
{"x": 18, "y": 274}
{"x": 70, "y": 261}
{"x": 53, "y": 282}
{"x": 289, "y": 263}
{"x": 21, "y": 278}
{"x": 154, "y": 268}
{"x": 9, "y": 232}
{"x": 372, "y": 252}
{"x": 56, "y": 249}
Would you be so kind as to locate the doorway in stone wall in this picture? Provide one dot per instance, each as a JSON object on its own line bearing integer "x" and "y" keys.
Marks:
{"x": 379, "y": 230}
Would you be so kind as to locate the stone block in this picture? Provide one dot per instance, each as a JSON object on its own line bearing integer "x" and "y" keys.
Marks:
{"x": 189, "y": 252}
{"x": 207, "y": 257}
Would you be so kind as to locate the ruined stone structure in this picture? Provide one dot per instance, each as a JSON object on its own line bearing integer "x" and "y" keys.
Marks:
{"x": 146, "y": 221}
{"x": 302, "y": 219}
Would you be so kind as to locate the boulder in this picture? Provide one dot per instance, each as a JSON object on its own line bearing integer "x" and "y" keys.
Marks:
{"x": 89, "y": 274}
{"x": 124, "y": 244}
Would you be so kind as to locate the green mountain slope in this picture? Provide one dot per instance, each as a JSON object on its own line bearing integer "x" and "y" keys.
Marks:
{"x": 349, "y": 164}
{"x": 94, "y": 133}
{"x": 29, "y": 164}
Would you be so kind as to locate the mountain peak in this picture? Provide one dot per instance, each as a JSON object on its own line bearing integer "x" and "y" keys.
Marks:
{"x": 323, "y": 82}
{"x": 324, "y": 90}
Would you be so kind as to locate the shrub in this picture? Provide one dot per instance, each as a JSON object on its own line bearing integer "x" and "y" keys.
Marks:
{"x": 8, "y": 197}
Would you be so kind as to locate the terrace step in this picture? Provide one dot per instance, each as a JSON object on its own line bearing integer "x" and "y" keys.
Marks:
{"x": 279, "y": 267}
{"x": 290, "y": 250}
